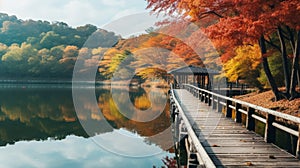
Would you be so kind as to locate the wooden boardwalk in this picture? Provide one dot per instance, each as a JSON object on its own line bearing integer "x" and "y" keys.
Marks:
{"x": 227, "y": 143}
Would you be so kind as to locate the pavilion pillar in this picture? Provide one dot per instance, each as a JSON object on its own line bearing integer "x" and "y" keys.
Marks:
{"x": 203, "y": 82}
{"x": 198, "y": 80}
{"x": 207, "y": 83}
{"x": 212, "y": 82}
{"x": 181, "y": 79}
{"x": 186, "y": 78}
{"x": 194, "y": 79}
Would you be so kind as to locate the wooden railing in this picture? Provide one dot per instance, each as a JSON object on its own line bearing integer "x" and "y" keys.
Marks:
{"x": 203, "y": 158}
{"x": 271, "y": 118}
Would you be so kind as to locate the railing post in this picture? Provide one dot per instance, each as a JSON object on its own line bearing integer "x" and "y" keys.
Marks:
{"x": 250, "y": 122}
{"x": 219, "y": 105}
{"x": 238, "y": 115}
{"x": 173, "y": 112}
{"x": 228, "y": 109}
{"x": 206, "y": 98}
{"x": 270, "y": 129}
{"x": 209, "y": 100}
{"x": 298, "y": 143}
{"x": 202, "y": 96}
{"x": 214, "y": 104}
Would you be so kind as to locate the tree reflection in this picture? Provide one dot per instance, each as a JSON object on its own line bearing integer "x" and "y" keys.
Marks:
{"x": 39, "y": 114}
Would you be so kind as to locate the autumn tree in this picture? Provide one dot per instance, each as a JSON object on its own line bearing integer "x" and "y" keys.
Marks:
{"x": 244, "y": 65}
{"x": 271, "y": 24}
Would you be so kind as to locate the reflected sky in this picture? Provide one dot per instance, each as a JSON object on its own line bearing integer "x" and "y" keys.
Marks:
{"x": 74, "y": 152}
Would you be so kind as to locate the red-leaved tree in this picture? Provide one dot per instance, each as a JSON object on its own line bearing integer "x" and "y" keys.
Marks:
{"x": 273, "y": 24}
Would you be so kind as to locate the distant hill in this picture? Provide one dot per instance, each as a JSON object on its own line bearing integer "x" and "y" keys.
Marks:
{"x": 40, "y": 49}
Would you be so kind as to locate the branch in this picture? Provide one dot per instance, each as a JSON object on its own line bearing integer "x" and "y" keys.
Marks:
{"x": 284, "y": 33}
{"x": 292, "y": 40}
{"x": 208, "y": 13}
{"x": 273, "y": 45}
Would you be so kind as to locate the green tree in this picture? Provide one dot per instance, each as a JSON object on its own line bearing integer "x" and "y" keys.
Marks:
{"x": 49, "y": 40}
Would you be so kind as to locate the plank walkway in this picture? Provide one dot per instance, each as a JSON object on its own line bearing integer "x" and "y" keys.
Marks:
{"x": 228, "y": 143}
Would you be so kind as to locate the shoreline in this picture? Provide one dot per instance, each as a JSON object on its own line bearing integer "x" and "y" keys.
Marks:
{"x": 71, "y": 83}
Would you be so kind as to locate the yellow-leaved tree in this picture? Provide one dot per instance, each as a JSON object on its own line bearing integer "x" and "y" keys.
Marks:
{"x": 245, "y": 65}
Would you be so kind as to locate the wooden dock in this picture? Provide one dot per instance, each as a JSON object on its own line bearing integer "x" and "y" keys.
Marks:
{"x": 222, "y": 142}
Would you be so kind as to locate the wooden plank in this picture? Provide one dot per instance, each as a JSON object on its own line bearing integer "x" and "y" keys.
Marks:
{"x": 242, "y": 150}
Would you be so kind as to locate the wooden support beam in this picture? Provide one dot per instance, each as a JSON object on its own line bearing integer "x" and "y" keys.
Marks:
{"x": 194, "y": 80}
{"x": 270, "y": 129}
{"x": 209, "y": 101}
{"x": 214, "y": 104}
{"x": 211, "y": 85}
{"x": 250, "y": 122}
{"x": 298, "y": 143}
{"x": 238, "y": 114}
{"x": 203, "y": 82}
{"x": 202, "y": 96}
{"x": 228, "y": 109}
{"x": 219, "y": 105}
{"x": 205, "y": 97}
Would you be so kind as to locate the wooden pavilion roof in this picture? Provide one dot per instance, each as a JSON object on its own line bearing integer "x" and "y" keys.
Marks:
{"x": 188, "y": 70}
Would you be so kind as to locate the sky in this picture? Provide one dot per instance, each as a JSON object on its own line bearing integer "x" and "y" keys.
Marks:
{"x": 74, "y": 12}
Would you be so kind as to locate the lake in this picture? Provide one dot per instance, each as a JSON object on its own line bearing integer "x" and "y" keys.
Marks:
{"x": 41, "y": 126}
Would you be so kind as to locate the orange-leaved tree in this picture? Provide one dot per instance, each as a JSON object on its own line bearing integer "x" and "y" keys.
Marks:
{"x": 271, "y": 24}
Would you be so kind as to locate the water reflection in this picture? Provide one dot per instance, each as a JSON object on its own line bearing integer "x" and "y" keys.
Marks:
{"x": 73, "y": 151}
{"x": 29, "y": 115}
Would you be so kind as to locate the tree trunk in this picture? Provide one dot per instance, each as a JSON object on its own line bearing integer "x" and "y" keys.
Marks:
{"x": 285, "y": 62}
{"x": 299, "y": 77}
{"x": 267, "y": 70}
{"x": 295, "y": 68}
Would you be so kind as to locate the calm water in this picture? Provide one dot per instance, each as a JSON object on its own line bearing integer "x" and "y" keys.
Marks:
{"x": 39, "y": 127}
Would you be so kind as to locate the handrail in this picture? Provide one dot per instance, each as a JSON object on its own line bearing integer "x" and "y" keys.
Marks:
{"x": 210, "y": 98}
{"x": 256, "y": 107}
{"x": 204, "y": 156}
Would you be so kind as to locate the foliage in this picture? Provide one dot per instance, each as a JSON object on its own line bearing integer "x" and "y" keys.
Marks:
{"x": 119, "y": 67}
{"x": 170, "y": 162}
{"x": 244, "y": 65}
{"x": 147, "y": 56}
{"x": 39, "y": 49}
{"x": 270, "y": 23}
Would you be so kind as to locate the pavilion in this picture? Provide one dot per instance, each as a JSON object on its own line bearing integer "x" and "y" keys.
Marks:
{"x": 198, "y": 76}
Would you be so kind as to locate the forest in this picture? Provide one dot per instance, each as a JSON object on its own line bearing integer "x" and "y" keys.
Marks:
{"x": 42, "y": 50}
